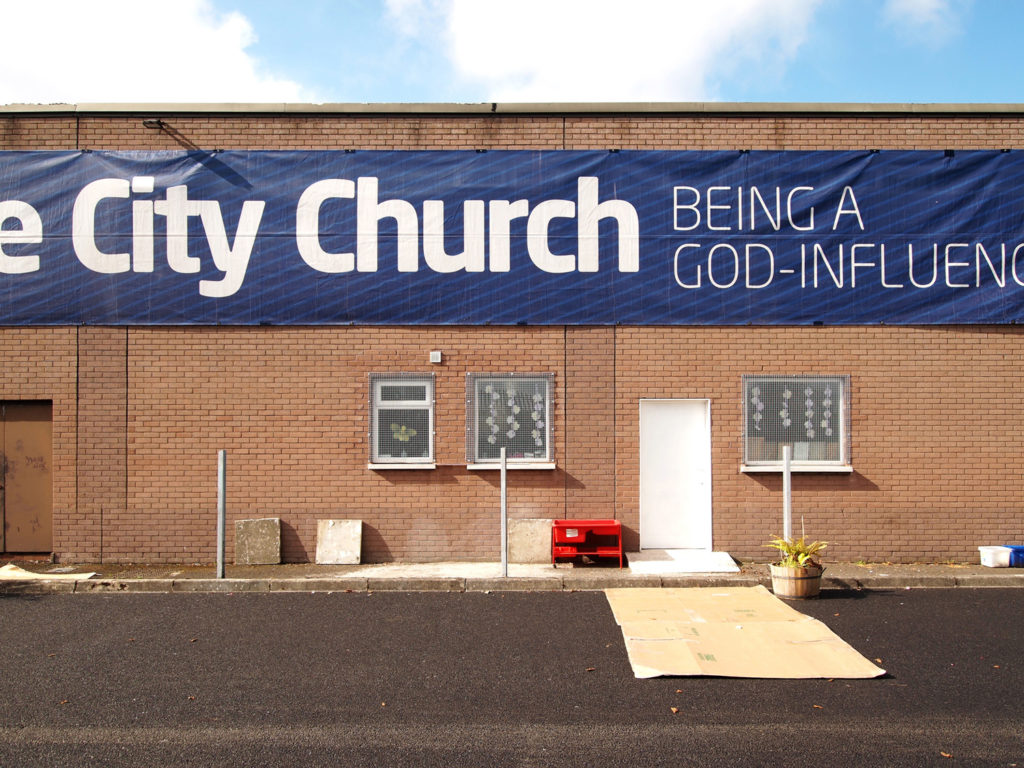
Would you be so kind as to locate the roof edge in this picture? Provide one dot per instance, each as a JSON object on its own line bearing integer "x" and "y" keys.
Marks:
{"x": 520, "y": 108}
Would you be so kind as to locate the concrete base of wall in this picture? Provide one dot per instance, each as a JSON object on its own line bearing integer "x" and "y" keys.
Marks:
{"x": 529, "y": 540}
{"x": 258, "y": 542}
{"x": 339, "y": 542}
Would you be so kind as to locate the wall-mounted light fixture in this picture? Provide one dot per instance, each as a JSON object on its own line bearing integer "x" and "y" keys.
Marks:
{"x": 153, "y": 124}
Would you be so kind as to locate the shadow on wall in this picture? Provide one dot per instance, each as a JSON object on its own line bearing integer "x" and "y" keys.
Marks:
{"x": 375, "y": 548}
{"x": 823, "y": 481}
{"x": 450, "y": 474}
{"x": 292, "y": 549}
{"x": 528, "y": 478}
{"x": 418, "y": 477}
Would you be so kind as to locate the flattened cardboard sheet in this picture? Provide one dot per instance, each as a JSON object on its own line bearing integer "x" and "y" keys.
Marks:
{"x": 11, "y": 572}
{"x": 729, "y": 632}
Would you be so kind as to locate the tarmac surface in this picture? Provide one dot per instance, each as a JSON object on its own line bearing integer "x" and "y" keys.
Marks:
{"x": 450, "y": 679}
{"x": 475, "y": 577}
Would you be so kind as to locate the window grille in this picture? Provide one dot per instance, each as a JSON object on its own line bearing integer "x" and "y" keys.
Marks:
{"x": 401, "y": 418}
{"x": 511, "y": 411}
{"x": 810, "y": 413}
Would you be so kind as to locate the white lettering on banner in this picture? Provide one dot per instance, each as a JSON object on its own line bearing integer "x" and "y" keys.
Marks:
{"x": 849, "y": 264}
{"x": 740, "y": 237}
{"x": 951, "y": 264}
{"x": 230, "y": 259}
{"x": 471, "y": 259}
{"x": 83, "y": 226}
{"x": 369, "y": 212}
{"x": 29, "y": 233}
{"x": 1000, "y": 276}
{"x": 750, "y": 253}
{"x": 590, "y": 214}
{"x": 687, "y": 209}
{"x": 881, "y": 263}
{"x": 476, "y": 216}
{"x": 537, "y": 236}
{"x": 307, "y": 226}
{"x": 853, "y": 210}
{"x": 500, "y": 214}
{"x": 935, "y": 266}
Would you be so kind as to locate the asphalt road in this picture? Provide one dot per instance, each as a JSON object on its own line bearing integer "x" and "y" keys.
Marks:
{"x": 475, "y": 679}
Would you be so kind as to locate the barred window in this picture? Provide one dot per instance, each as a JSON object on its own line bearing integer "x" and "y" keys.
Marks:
{"x": 511, "y": 411}
{"x": 401, "y": 418}
{"x": 810, "y": 413}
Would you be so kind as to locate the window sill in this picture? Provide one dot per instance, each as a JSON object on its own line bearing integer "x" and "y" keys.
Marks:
{"x": 514, "y": 465}
{"x": 404, "y": 465}
{"x": 842, "y": 469}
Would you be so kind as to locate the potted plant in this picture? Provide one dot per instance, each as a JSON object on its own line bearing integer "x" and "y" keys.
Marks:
{"x": 797, "y": 574}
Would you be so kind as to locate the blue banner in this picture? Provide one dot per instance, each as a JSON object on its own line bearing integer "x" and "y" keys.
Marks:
{"x": 511, "y": 237}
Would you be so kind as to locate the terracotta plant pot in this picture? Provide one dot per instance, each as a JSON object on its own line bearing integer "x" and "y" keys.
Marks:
{"x": 796, "y": 583}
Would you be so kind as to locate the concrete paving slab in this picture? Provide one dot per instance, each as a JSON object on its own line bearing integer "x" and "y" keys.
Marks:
{"x": 337, "y": 584}
{"x": 988, "y": 580}
{"x": 529, "y": 540}
{"x": 339, "y": 542}
{"x": 584, "y": 579}
{"x": 220, "y": 585}
{"x": 483, "y": 576}
{"x": 712, "y": 580}
{"x": 125, "y": 585}
{"x": 463, "y": 570}
{"x": 258, "y": 541}
{"x": 36, "y": 587}
{"x": 514, "y": 584}
{"x": 418, "y": 584}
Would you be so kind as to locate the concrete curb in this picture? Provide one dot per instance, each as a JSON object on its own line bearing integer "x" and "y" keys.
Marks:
{"x": 846, "y": 578}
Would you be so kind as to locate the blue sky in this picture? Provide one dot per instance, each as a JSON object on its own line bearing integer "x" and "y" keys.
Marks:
{"x": 529, "y": 50}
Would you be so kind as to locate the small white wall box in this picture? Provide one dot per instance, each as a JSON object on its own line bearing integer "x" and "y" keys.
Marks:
{"x": 995, "y": 557}
{"x": 435, "y": 356}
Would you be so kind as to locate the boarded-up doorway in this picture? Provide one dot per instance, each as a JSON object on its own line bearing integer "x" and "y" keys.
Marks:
{"x": 26, "y": 487}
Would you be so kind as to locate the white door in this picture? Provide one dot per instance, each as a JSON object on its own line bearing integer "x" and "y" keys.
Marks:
{"x": 675, "y": 474}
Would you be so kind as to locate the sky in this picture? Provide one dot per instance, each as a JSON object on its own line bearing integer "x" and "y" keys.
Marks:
{"x": 472, "y": 51}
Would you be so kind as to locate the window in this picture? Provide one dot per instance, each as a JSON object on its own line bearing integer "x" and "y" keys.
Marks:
{"x": 401, "y": 419}
{"x": 511, "y": 411}
{"x": 810, "y": 413}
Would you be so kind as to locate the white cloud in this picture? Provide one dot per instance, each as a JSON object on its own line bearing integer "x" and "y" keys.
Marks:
{"x": 75, "y": 51}
{"x": 415, "y": 18}
{"x": 609, "y": 50}
{"x": 933, "y": 21}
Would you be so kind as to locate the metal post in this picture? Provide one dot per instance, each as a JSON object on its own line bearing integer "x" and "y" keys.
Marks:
{"x": 222, "y": 465}
{"x": 504, "y": 514}
{"x": 787, "y": 492}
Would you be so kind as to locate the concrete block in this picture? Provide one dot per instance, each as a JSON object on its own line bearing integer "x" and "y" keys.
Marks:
{"x": 221, "y": 585}
{"x": 416, "y": 584}
{"x": 342, "y": 584}
{"x": 529, "y": 540}
{"x": 339, "y": 542}
{"x": 124, "y": 585}
{"x": 515, "y": 584}
{"x": 258, "y": 542}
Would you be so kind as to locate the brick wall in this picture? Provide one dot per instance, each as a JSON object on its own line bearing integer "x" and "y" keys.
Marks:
{"x": 140, "y": 413}
{"x": 933, "y": 424}
{"x": 291, "y": 407}
{"x": 764, "y": 130}
{"x": 40, "y": 364}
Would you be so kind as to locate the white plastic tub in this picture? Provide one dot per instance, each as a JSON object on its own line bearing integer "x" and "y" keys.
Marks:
{"x": 995, "y": 557}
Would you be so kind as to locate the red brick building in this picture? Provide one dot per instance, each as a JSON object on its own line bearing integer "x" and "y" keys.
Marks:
{"x": 138, "y": 412}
